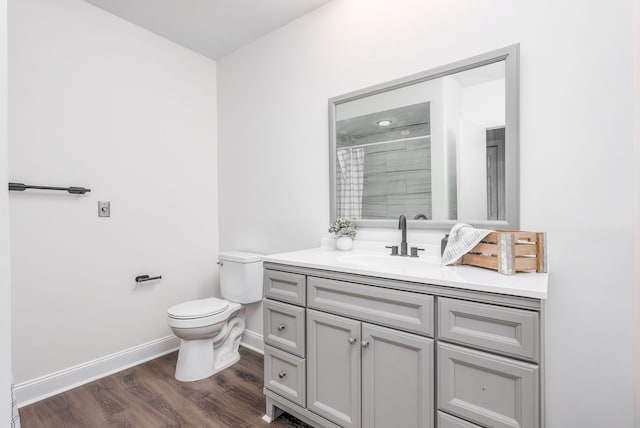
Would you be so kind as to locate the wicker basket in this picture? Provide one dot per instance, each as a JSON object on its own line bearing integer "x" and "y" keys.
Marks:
{"x": 510, "y": 251}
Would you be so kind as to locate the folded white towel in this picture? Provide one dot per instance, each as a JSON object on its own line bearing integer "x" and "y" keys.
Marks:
{"x": 462, "y": 238}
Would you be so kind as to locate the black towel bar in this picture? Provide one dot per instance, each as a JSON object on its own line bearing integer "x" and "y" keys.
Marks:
{"x": 21, "y": 187}
{"x": 143, "y": 278}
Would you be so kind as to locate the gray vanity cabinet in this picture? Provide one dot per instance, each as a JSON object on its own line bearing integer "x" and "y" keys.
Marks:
{"x": 509, "y": 331}
{"x": 363, "y": 372}
{"x": 334, "y": 371}
{"x": 353, "y": 351}
{"x": 495, "y": 391}
{"x": 285, "y": 374}
{"x": 397, "y": 378}
{"x": 285, "y": 286}
{"x": 285, "y": 371}
{"x": 447, "y": 421}
{"x": 284, "y": 327}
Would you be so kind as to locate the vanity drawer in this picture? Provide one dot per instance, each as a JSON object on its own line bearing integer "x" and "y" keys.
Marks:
{"x": 284, "y": 286}
{"x": 509, "y": 331}
{"x": 447, "y": 421}
{"x": 284, "y": 326}
{"x": 487, "y": 389}
{"x": 285, "y": 374}
{"x": 404, "y": 310}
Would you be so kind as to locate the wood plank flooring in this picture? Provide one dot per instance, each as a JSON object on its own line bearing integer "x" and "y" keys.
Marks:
{"x": 148, "y": 396}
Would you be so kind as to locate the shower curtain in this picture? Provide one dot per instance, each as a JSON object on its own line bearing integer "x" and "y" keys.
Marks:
{"x": 349, "y": 182}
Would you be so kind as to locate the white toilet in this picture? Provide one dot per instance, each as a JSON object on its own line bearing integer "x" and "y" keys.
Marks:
{"x": 211, "y": 329}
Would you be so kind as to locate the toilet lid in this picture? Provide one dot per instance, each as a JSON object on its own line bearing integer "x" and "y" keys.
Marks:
{"x": 198, "y": 308}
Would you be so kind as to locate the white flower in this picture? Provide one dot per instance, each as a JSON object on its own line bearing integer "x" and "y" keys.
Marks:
{"x": 343, "y": 227}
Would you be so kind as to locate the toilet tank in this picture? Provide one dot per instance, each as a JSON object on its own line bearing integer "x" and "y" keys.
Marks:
{"x": 241, "y": 276}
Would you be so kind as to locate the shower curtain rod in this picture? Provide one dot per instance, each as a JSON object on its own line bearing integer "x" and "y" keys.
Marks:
{"x": 21, "y": 187}
{"x": 385, "y": 142}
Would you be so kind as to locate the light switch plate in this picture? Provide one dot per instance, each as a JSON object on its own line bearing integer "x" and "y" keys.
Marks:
{"x": 104, "y": 208}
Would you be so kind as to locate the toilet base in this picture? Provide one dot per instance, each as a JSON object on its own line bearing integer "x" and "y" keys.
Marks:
{"x": 196, "y": 360}
{"x": 201, "y": 358}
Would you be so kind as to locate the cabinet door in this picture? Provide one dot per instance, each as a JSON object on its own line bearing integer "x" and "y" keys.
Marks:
{"x": 284, "y": 374}
{"x": 285, "y": 286}
{"x": 447, "y": 421}
{"x": 284, "y": 326}
{"x": 333, "y": 368}
{"x": 494, "y": 328}
{"x": 489, "y": 390}
{"x": 397, "y": 379}
{"x": 404, "y": 310}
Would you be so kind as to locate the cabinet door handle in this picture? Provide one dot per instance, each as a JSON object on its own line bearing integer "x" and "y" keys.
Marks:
{"x": 281, "y": 327}
{"x": 352, "y": 340}
{"x": 364, "y": 344}
{"x": 282, "y": 374}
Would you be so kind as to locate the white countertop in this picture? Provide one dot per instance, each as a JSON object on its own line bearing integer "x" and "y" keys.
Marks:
{"x": 523, "y": 284}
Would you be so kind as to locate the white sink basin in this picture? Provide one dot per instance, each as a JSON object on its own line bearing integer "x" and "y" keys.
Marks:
{"x": 379, "y": 261}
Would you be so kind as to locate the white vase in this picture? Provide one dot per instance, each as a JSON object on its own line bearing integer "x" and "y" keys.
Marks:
{"x": 344, "y": 243}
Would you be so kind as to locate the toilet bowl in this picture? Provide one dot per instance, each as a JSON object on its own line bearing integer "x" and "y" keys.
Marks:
{"x": 210, "y": 329}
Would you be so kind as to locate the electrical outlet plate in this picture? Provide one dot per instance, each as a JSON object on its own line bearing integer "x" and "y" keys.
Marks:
{"x": 104, "y": 209}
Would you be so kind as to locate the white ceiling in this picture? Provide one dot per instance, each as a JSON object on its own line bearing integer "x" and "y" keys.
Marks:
{"x": 211, "y": 27}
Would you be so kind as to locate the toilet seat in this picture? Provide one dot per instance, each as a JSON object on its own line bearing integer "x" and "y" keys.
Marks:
{"x": 195, "y": 309}
{"x": 206, "y": 320}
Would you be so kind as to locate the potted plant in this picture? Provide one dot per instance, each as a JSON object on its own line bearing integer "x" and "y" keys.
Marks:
{"x": 345, "y": 230}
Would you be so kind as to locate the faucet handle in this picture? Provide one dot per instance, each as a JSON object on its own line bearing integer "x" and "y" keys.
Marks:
{"x": 394, "y": 249}
{"x": 414, "y": 251}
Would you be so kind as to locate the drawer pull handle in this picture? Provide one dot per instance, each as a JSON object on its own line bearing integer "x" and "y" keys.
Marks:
{"x": 281, "y": 327}
{"x": 365, "y": 344}
{"x": 282, "y": 374}
{"x": 352, "y": 340}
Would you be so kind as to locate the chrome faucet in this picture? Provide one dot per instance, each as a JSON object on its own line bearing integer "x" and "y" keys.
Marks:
{"x": 402, "y": 225}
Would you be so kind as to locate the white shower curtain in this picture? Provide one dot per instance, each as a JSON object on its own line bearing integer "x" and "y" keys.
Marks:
{"x": 349, "y": 182}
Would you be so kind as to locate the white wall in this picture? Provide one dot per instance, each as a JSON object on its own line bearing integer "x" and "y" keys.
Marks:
{"x": 96, "y": 101}
{"x": 5, "y": 288}
{"x": 636, "y": 200}
{"x": 576, "y": 147}
{"x": 452, "y": 111}
{"x": 472, "y": 170}
{"x": 483, "y": 104}
{"x": 483, "y": 107}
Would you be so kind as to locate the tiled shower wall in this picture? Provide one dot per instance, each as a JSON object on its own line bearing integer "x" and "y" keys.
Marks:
{"x": 397, "y": 179}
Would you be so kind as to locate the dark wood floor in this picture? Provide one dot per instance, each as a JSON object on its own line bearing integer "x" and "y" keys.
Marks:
{"x": 149, "y": 396}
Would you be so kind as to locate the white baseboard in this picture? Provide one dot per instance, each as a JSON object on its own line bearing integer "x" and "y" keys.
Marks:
{"x": 54, "y": 383}
{"x": 253, "y": 341}
{"x": 51, "y": 384}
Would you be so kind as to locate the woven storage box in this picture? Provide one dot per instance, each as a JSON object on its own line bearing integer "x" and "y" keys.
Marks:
{"x": 510, "y": 251}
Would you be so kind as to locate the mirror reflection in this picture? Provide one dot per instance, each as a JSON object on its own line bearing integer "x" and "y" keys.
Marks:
{"x": 433, "y": 150}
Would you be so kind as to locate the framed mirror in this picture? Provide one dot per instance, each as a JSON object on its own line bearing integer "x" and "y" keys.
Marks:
{"x": 440, "y": 147}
